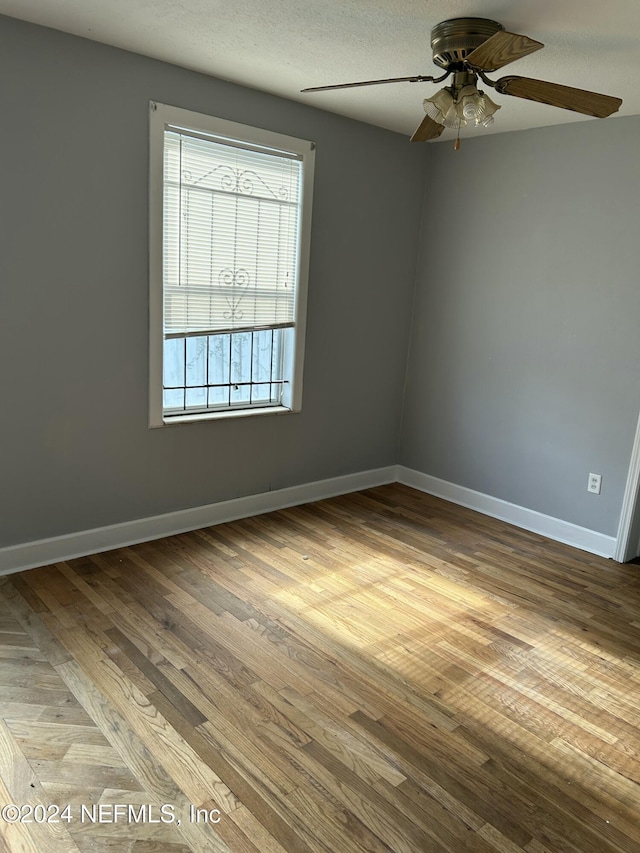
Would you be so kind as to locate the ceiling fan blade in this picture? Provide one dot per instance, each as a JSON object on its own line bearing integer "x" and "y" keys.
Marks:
{"x": 427, "y": 129}
{"x": 415, "y": 79}
{"x": 565, "y": 97}
{"x": 500, "y": 49}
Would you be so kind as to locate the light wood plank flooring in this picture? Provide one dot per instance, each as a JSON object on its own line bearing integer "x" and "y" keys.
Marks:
{"x": 382, "y": 671}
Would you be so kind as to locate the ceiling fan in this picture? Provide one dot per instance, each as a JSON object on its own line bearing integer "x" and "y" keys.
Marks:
{"x": 468, "y": 48}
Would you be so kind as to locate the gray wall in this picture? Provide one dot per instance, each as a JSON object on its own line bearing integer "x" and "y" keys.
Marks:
{"x": 523, "y": 363}
{"x": 76, "y": 450}
{"x": 524, "y": 366}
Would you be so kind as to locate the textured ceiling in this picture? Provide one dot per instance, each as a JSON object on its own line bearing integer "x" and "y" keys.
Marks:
{"x": 281, "y": 46}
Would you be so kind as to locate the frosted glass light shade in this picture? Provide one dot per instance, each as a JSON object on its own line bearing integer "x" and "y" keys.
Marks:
{"x": 486, "y": 109}
{"x": 470, "y": 107}
{"x": 469, "y": 102}
{"x": 439, "y": 106}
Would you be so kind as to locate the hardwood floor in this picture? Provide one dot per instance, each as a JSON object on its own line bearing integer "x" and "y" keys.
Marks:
{"x": 377, "y": 672}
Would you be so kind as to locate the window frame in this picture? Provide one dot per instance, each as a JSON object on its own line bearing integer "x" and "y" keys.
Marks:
{"x": 160, "y": 117}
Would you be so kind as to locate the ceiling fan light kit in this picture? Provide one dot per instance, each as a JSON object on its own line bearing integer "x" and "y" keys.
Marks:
{"x": 468, "y": 106}
{"x": 468, "y": 48}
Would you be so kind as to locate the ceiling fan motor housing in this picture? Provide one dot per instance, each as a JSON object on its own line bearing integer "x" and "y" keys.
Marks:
{"x": 453, "y": 40}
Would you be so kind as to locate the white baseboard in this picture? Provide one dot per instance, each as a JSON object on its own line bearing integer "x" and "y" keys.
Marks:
{"x": 16, "y": 558}
{"x": 528, "y": 519}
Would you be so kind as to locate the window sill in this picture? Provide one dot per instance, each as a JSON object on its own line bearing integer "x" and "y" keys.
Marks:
{"x": 222, "y": 415}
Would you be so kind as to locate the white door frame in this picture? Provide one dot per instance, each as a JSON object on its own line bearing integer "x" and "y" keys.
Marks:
{"x": 627, "y": 539}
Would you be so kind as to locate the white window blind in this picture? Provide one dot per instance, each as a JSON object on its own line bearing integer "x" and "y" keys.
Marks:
{"x": 231, "y": 222}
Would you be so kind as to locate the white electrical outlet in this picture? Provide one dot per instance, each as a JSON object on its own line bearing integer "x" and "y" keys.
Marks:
{"x": 594, "y": 484}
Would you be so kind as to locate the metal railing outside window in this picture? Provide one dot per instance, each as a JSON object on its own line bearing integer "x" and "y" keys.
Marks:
{"x": 223, "y": 371}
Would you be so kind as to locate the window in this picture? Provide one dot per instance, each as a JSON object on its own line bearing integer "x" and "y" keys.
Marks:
{"x": 230, "y": 211}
